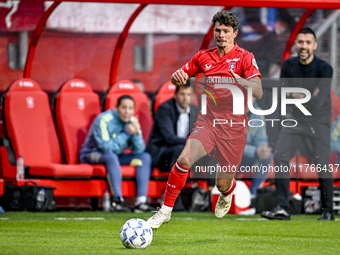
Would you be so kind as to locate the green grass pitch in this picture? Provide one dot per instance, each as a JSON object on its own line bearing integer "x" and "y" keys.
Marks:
{"x": 186, "y": 233}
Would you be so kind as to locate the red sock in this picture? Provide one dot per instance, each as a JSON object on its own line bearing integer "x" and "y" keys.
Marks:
{"x": 177, "y": 179}
{"x": 231, "y": 189}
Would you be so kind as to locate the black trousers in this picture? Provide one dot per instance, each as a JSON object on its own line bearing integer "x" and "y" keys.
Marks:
{"x": 290, "y": 139}
{"x": 169, "y": 156}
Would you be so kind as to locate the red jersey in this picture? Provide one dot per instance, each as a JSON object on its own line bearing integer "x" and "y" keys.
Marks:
{"x": 216, "y": 71}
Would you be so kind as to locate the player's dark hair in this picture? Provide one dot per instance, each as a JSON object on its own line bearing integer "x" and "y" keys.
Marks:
{"x": 227, "y": 18}
{"x": 186, "y": 85}
{"x": 307, "y": 30}
{"x": 120, "y": 99}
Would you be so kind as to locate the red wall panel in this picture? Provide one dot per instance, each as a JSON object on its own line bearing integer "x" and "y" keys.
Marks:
{"x": 60, "y": 56}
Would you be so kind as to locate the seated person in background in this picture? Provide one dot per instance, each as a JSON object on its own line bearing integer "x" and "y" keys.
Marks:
{"x": 335, "y": 138}
{"x": 140, "y": 84}
{"x": 173, "y": 123}
{"x": 171, "y": 128}
{"x": 257, "y": 152}
{"x": 110, "y": 134}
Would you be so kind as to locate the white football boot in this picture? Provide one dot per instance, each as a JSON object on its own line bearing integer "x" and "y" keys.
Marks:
{"x": 223, "y": 205}
{"x": 160, "y": 217}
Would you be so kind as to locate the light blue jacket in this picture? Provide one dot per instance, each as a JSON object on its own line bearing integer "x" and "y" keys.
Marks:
{"x": 107, "y": 134}
{"x": 257, "y": 134}
{"x": 335, "y": 135}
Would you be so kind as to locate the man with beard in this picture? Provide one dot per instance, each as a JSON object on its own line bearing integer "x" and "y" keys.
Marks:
{"x": 314, "y": 74}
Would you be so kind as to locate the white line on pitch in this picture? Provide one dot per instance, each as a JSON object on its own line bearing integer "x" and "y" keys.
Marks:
{"x": 80, "y": 218}
{"x": 250, "y": 219}
{"x": 181, "y": 218}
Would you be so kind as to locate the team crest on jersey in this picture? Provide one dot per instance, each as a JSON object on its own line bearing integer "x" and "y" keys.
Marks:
{"x": 232, "y": 66}
{"x": 255, "y": 64}
{"x": 196, "y": 131}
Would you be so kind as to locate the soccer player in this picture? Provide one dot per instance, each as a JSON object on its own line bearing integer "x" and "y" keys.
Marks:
{"x": 227, "y": 64}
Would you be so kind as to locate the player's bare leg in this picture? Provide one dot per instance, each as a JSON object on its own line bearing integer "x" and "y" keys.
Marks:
{"x": 226, "y": 184}
{"x": 177, "y": 180}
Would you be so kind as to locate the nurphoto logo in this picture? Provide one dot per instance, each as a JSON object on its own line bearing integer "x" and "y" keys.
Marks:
{"x": 238, "y": 103}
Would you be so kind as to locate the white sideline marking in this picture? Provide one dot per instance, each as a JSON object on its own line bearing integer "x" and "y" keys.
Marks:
{"x": 181, "y": 218}
{"x": 80, "y": 218}
{"x": 4, "y": 218}
{"x": 250, "y": 219}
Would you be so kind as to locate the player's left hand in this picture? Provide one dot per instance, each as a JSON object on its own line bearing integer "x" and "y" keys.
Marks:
{"x": 240, "y": 81}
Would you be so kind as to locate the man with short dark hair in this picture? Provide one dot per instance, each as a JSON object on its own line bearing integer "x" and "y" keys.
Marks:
{"x": 171, "y": 128}
{"x": 314, "y": 74}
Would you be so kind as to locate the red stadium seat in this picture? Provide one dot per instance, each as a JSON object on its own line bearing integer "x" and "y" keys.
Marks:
{"x": 166, "y": 92}
{"x": 76, "y": 106}
{"x": 31, "y": 131}
{"x": 2, "y": 187}
{"x": 142, "y": 105}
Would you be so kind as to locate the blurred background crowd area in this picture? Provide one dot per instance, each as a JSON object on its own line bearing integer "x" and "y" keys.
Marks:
{"x": 79, "y": 39}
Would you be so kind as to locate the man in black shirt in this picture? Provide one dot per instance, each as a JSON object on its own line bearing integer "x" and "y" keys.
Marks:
{"x": 314, "y": 74}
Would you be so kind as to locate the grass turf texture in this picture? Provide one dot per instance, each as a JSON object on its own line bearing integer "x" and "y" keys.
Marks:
{"x": 186, "y": 233}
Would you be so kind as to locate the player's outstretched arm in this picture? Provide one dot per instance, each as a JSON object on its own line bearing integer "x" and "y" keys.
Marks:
{"x": 179, "y": 77}
{"x": 254, "y": 83}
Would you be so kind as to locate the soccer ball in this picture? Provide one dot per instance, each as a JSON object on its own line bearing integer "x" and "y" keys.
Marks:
{"x": 136, "y": 234}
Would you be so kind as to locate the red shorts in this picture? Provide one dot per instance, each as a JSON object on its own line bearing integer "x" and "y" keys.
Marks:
{"x": 228, "y": 153}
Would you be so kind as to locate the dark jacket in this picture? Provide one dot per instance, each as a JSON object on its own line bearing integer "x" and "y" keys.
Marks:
{"x": 164, "y": 131}
{"x": 316, "y": 74}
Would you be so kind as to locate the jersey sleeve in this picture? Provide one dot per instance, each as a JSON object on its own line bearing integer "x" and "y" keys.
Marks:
{"x": 192, "y": 67}
{"x": 250, "y": 67}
